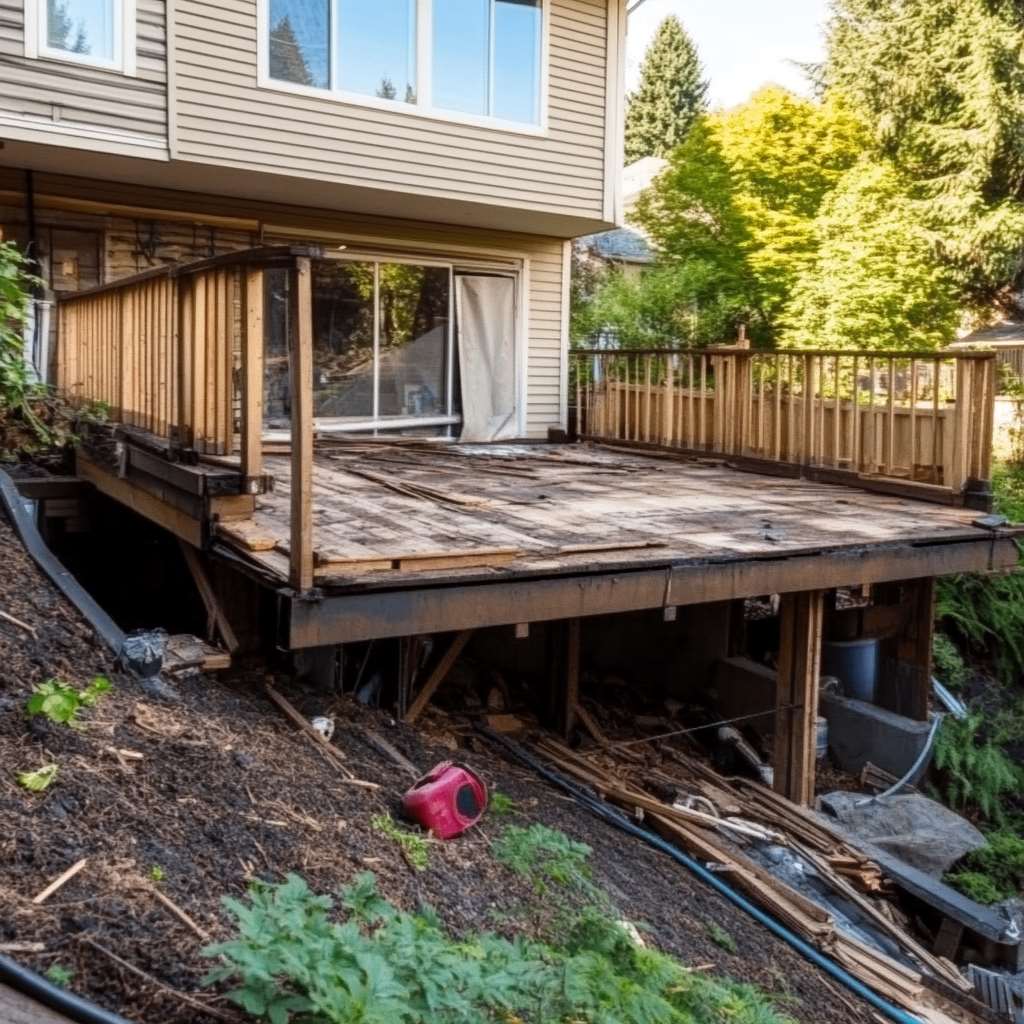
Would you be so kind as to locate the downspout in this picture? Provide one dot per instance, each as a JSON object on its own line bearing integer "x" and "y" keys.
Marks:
{"x": 35, "y": 266}
{"x": 620, "y": 821}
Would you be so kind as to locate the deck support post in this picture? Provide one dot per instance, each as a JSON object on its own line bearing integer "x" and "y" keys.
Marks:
{"x": 796, "y": 695}
{"x": 252, "y": 378}
{"x": 915, "y": 647}
{"x": 570, "y": 675}
{"x": 301, "y": 379}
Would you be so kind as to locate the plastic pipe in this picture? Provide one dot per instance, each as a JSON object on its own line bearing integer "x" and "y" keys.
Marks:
{"x": 34, "y": 544}
{"x": 36, "y": 987}
{"x": 914, "y": 769}
{"x": 614, "y": 817}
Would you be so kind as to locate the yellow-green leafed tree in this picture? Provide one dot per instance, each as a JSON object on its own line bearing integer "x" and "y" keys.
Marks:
{"x": 878, "y": 280}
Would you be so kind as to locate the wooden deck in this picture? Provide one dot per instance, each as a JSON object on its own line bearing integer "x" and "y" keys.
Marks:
{"x": 416, "y": 514}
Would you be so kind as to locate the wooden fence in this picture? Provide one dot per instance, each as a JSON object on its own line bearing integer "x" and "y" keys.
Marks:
{"x": 178, "y": 352}
{"x": 917, "y": 418}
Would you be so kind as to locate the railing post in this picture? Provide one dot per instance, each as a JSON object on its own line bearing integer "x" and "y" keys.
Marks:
{"x": 252, "y": 379}
{"x": 962, "y": 428}
{"x": 301, "y": 379}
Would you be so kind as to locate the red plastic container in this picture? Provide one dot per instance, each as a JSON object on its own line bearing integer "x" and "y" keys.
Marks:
{"x": 449, "y": 799}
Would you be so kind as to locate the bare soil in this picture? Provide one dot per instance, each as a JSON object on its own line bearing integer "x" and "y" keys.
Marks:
{"x": 227, "y": 790}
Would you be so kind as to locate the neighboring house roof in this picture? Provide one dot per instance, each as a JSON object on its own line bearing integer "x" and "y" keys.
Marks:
{"x": 628, "y": 245}
{"x": 622, "y": 246}
{"x": 1005, "y": 334}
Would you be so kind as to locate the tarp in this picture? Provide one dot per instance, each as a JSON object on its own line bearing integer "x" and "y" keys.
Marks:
{"x": 485, "y": 307}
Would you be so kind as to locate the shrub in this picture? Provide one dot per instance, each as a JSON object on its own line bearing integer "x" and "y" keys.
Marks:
{"x": 949, "y": 664}
{"x": 993, "y": 873}
{"x": 976, "y": 773}
{"x": 381, "y": 965}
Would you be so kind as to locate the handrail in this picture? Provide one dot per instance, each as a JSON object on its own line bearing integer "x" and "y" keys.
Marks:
{"x": 178, "y": 352}
{"x": 265, "y": 256}
{"x": 920, "y": 421}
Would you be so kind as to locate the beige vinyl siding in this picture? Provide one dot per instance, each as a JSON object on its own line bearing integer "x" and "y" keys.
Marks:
{"x": 223, "y": 117}
{"x": 183, "y": 235}
{"x": 77, "y": 97}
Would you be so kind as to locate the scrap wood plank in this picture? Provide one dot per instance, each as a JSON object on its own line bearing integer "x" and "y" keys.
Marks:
{"x": 247, "y": 536}
{"x": 213, "y": 606}
{"x": 438, "y": 676}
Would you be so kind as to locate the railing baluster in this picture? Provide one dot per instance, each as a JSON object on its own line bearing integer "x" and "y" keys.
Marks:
{"x": 913, "y": 419}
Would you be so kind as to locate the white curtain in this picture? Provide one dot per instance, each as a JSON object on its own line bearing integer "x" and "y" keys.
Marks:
{"x": 485, "y": 307}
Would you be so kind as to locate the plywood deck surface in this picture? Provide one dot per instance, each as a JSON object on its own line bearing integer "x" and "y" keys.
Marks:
{"x": 387, "y": 514}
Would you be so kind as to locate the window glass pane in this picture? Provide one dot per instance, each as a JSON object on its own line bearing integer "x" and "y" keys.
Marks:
{"x": 413, "y": 340}
{"x": 461, "y": 55}
{"x": 277, "y": 402}
{"x": 517, "y": 37}
{"x": 85, "y": 27}
{"x": 343, "y": 339}
{"x": 299, "y": 42}
{"x": 377, "y": 48}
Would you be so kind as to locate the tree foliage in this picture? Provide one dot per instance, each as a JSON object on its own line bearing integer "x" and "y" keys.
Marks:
{"x": 876, "y": 281}
{"x": 671, "y": 94}
{"x": 941, "y": 83}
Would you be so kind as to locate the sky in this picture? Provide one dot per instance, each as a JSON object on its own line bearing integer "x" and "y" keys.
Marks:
{"x": 744, "y": 44}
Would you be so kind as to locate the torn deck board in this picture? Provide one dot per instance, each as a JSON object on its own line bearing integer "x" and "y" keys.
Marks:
{"x": 476, "y": 512}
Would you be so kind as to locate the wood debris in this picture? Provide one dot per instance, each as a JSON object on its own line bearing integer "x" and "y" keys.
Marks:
{"x": 718, "y": 842}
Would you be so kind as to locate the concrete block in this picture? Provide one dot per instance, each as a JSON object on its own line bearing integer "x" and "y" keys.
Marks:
{"x": 860, "y": 732}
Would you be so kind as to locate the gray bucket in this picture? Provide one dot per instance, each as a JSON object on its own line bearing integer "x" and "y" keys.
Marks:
{"x": 855, "y": 664}
{"x": 821, "y": 738}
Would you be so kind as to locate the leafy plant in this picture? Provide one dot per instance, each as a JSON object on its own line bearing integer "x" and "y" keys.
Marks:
{"x": 157, "y": 874}
{"x": 295, "y": 957}
{"x": 976, "y": 772}
{"x": 59, "y": 975}
{"x": 546, "y": 858}
{"x": 414, "y": 847}
{"x": 37, "y": 781}
{"x": 993, "y": 873}
{"x": 500, "y": 804}
{"x": 61, "y": 703}
{"x": 949, "y": 664}
{"x": 721, "y": 938}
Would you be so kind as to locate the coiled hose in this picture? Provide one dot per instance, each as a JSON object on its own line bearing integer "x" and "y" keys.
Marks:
{"x": 620, "y": 821}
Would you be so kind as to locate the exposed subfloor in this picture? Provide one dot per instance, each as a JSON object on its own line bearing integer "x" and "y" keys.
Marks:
{"x": 387, "y": 513}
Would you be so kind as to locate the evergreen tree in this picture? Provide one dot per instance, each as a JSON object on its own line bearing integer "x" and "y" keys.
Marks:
{"x": 287, "y": 61}
{"x": 942, "y": 84}
{"x": 672, "y": 93}
{"x": 58, "y": 25}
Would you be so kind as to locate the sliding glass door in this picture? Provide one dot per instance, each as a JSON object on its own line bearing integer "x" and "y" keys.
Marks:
{"x": 383, "y": 347}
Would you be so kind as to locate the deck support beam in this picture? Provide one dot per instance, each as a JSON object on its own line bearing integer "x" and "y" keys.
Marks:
{"x": 301, "y": 380}
{"x": 252, "y": 378}
{"x": 796, "y": 695}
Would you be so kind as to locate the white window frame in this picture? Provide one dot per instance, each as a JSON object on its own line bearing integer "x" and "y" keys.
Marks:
{"x": 124, "y": 58}
{"x": 423, "y": 107}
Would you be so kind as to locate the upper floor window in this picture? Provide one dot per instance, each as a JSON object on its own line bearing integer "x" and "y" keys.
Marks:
{"x": 96, "y": 32}
{"x": 475, "y": 59}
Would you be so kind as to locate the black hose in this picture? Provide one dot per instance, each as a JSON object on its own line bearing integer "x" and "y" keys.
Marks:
{"x": 21, "y": 520}
{"x": 36, "y": 987}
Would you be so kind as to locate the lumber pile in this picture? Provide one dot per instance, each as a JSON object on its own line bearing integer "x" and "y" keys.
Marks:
{"x": 714, "y": 819}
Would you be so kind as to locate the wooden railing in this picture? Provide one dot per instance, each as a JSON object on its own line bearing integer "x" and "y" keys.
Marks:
{"x": 178, "y": 352}
{"x": 917, "y": 418}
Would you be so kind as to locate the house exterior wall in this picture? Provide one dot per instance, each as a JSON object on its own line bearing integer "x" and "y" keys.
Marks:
{"x": 189, "y": 226}
{"x": 222, "y": 116}
{"x": 77, "y": 105}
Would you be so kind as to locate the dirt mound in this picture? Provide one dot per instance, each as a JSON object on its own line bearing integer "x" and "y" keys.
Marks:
{"x": 193, "y": 797}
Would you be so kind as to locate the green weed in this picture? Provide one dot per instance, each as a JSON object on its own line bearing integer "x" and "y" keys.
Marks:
{"x": 299, "y": 955}
{"x": 546, "y": 858}
{"x": 950, "y": 667}
{"x": 59, "y": 975}
{"x": 157, "y": 874}
{"x": 500, "y": 805}
{"x": 38, "y": 781}
{"x": 721, "y": 938}
{"x": 61, "y": 703}
{"x": 414, "y": 847}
